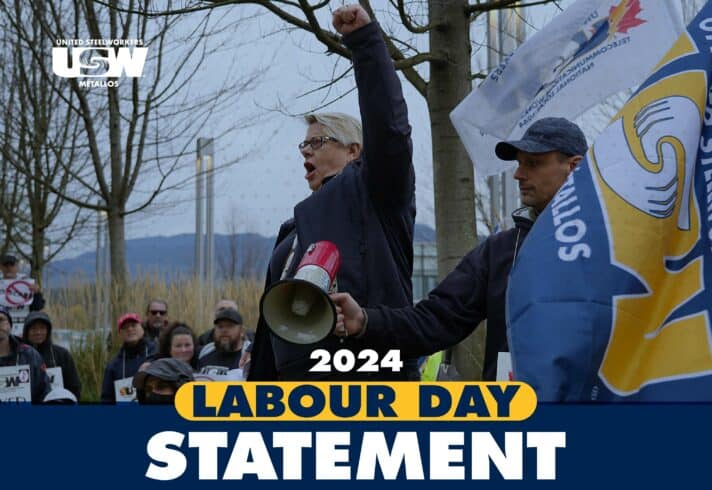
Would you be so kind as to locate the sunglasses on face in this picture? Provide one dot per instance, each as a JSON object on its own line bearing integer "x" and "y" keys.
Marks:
{"x": 158, "y": 312}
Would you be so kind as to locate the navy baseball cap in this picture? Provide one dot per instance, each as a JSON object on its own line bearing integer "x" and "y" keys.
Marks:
{"x": 545, "y": 135}
{"x": 8, "y": 259}
{"x": 229, "y": 314}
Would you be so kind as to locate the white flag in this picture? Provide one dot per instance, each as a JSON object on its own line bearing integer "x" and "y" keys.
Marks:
{"x": 592, "y": 50}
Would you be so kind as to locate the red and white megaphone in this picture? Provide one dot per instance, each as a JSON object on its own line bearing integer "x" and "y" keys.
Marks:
{"x": 299, "y": 309}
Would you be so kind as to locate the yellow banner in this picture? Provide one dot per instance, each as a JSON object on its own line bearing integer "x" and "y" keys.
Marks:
{"x": 353, "y": 401}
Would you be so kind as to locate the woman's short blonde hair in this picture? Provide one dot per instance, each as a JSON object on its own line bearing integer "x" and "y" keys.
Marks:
{"x": 345, "y": 128}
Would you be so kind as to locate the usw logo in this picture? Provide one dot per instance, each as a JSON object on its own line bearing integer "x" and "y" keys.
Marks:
{"x": 98, "y": 62}
{"x": 22, "y": 377}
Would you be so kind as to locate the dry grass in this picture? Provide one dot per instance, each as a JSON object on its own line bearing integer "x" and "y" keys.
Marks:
{"x": 75, "y": 308}
{"x": 91, "y": 357}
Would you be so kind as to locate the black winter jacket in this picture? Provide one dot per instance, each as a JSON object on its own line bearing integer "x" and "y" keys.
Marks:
{"x": 473, "y": 292}
{"x": 58, "y": 356}
{"x": 38, "y": 302}
{"x": 150, "y": 332}
{"x": 367, "y": 210}
{"x": 124, "y": 365}
{"x": 24, "y": 354}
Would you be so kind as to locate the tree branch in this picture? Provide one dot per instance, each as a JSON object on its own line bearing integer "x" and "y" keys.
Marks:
{"x": 407, "y": 20}
{"x": 400, "y": 61}
{"x": 476, "y": 9}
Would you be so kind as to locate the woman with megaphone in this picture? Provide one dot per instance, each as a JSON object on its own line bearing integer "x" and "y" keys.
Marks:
{"x": 362, "y": 210}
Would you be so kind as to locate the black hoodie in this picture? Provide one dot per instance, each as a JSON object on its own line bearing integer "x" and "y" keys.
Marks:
{"x": 54, "y": 355}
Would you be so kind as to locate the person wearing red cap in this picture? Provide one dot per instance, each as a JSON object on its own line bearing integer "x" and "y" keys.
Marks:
{"x": 119, "y": 372}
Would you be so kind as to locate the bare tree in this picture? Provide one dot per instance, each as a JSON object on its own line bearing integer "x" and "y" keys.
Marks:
{"x": 242, "y": 256}
{"x": 10, "y": 197}
{"x": 39, "y": 140}
{"x": 11, "y": 206}
{"x": 138, "y": 132}
{"x": 484, "y": 215}
{"x": 228, "y": 257}
{"x": 447, "y": 63}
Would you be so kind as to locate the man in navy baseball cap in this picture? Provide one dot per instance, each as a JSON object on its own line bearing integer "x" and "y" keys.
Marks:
{"x": 547, "y": 153}
{"x": 549, "y": 150}
{"x": 545, "y": 135}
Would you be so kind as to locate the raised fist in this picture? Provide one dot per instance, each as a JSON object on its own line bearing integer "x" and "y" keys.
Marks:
{"x": 349, "y": 18}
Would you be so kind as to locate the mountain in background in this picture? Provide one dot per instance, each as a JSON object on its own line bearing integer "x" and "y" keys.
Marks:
{"x": 171, "y": 256}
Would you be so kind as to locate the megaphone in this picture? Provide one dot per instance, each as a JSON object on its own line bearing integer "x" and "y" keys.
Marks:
{"x": 299, "y": 310}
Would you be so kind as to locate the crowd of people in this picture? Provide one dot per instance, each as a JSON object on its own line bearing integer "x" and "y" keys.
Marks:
{"x": 363, "y": 200}
{"x": 54, "y": 378}
{"x": 224, "y": 355}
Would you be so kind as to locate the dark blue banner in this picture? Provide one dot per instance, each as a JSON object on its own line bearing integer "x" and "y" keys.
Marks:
{"x": 605, "y": 446}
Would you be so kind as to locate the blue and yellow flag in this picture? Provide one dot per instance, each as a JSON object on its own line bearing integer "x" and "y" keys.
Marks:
{"x": 611, "y": 295}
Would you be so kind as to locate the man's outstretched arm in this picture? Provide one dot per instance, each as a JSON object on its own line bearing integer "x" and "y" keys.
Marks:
{"x": 449, "y": 314}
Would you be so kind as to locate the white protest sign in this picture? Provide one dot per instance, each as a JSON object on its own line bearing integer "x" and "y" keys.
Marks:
{"x": 18, "y": 315}
{"x": 16, "y": 292}
{"x": 124, "y": 390}
{"x": 16, "y": 295}
{"x": 55, "y": 377}
{"x": 504, "y": 367}
{"x": 220, "y": 373}
{"x": 15, "y": 384}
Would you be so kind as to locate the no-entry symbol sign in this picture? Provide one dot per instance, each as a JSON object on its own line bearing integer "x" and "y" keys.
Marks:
{"x": 18, "y": 293}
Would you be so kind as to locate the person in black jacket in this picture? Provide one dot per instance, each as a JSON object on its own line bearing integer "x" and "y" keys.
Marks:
{"x": 37, "y": 332}
{"x": 15, "y": 353}
{"x": 134, "y": 351}
{"x": 363, "y": 201}
{"x": 548, "y": 152}
{"x": 248, "y": 337}
{"x": 226, "y": 350}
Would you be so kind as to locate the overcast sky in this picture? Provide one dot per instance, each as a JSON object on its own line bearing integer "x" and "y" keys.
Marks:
{"x": 259, "y": 192}
{"x": 262, "y": 189}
